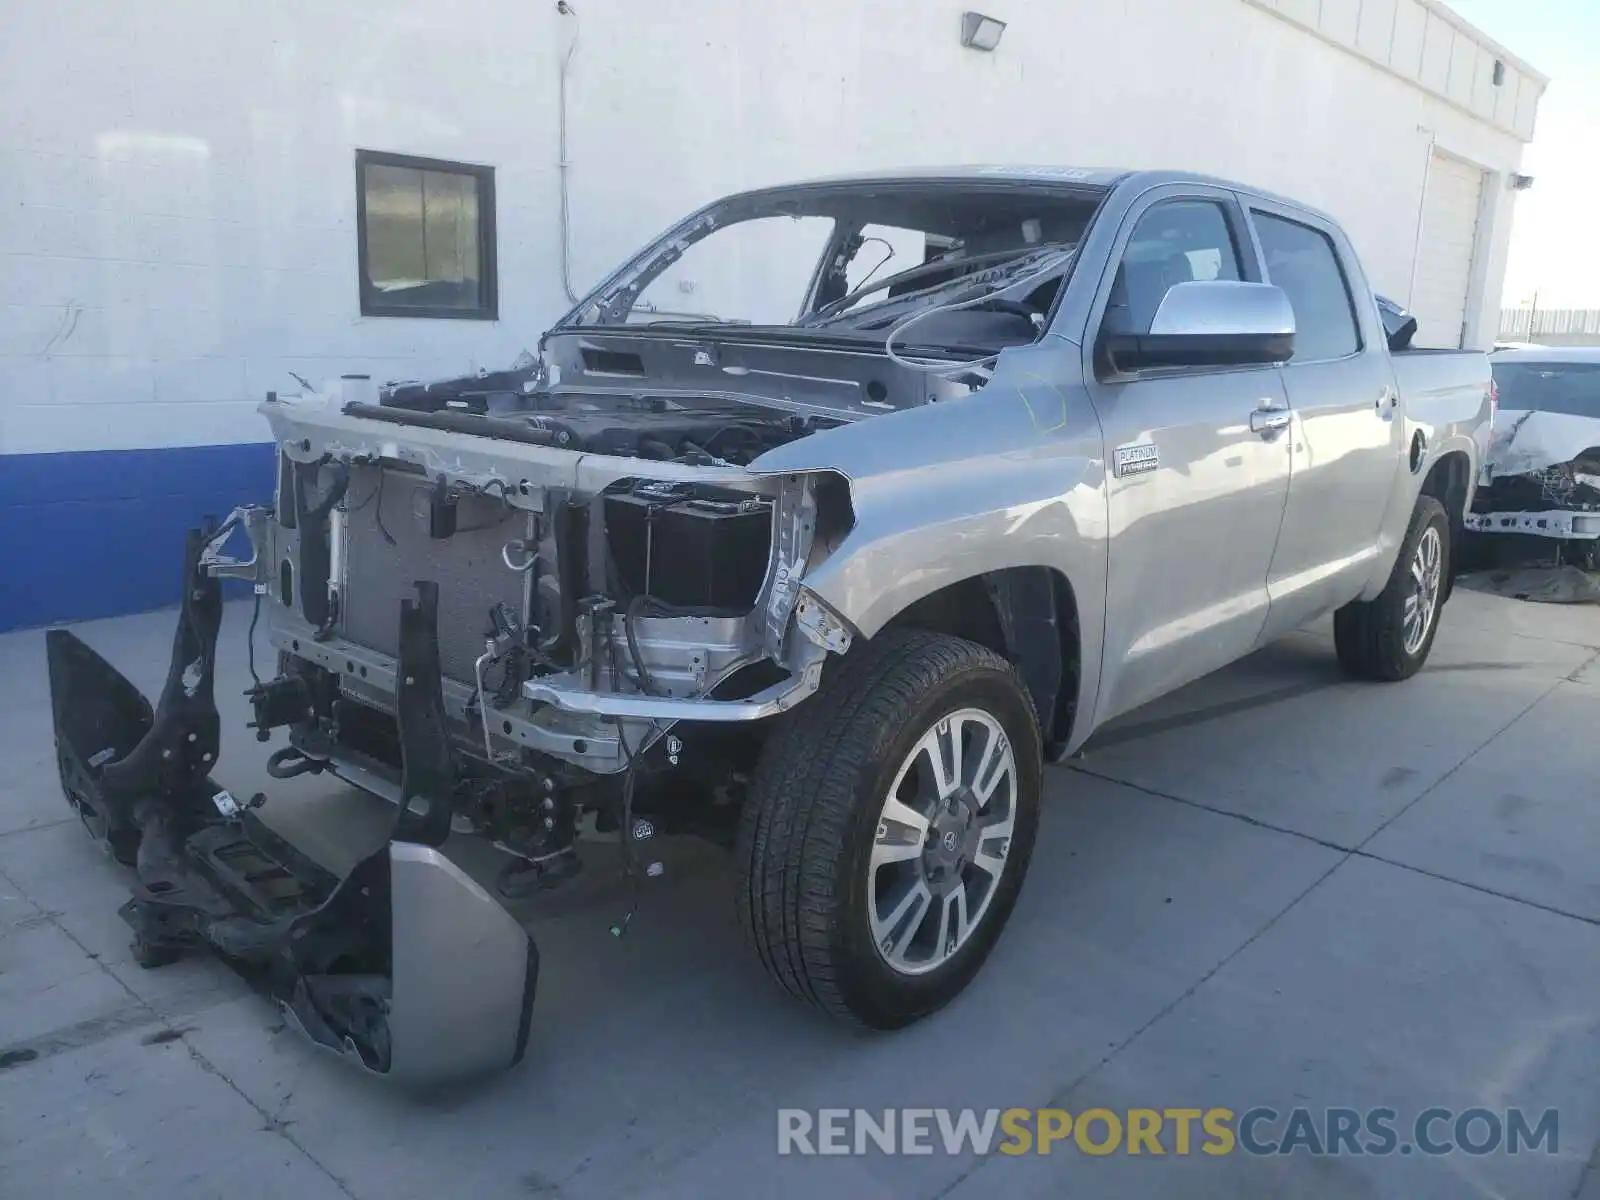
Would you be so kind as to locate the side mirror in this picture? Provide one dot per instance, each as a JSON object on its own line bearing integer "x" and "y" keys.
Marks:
{"x": 1207, "y": 323}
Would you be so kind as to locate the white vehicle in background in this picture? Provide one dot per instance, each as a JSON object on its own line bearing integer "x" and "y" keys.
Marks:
{"x": 1541, "y": 476}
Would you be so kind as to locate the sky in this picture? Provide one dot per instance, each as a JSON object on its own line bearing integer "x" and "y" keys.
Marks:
{"x": 1555, "y": 236}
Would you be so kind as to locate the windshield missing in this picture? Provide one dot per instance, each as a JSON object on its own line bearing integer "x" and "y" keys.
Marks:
{"x": 974, "y": 265}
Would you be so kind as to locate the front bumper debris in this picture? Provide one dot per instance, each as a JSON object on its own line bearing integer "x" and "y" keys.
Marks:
{"x": 573, "y": 697}
{"x": 405, "y": 965}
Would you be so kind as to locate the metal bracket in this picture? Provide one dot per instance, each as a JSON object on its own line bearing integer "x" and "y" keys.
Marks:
{"x": 794, "y": 519}
{"x": 181, "y": 744}
{"x": 820, "y": 624}
{"x": 427, "y": 769}
{"x": 1552, "y": 524}
{"x": 252, "y": 518}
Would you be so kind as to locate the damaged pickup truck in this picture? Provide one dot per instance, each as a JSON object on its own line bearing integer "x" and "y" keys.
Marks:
{"x": 1542, "y": 473}
{"x": 939, "y": 472}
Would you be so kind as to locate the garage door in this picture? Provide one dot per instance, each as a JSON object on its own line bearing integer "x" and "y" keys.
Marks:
{"x": 1444, "y": 255}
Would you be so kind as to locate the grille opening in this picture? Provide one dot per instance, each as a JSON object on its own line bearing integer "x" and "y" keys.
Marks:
{"x": 390, "y": 544}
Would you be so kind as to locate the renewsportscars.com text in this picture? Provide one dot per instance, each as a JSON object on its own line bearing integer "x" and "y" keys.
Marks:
{"x": 1160, "y": 1131}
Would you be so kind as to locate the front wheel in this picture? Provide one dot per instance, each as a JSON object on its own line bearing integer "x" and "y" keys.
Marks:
{"x": 1388, "y": 638}
{"x": 889, "y": 827}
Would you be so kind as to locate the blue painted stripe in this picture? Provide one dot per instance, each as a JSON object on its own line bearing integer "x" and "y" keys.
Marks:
{"x": 100, "y": 533}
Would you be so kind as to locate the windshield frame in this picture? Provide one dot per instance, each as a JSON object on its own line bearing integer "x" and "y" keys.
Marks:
{"x": 604, "y": 307}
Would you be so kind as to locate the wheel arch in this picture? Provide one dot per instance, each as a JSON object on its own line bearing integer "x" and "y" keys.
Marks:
{"x": 1029, "y": 615}
{"x": 1449, "y": 481}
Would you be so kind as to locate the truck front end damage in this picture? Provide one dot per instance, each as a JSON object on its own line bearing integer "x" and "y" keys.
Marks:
{"x": 563, "y": 603}
{"x": 512, "y": 639}
{"x": 587, "y": 603}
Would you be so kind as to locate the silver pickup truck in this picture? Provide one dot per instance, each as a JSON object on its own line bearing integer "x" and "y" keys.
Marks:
{"x": 816, "y": 529}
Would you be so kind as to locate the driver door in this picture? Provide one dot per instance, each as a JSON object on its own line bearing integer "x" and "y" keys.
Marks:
{"x": 1197, "y": 480}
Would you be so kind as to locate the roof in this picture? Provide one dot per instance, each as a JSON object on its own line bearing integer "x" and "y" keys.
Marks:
{"x": 977, "y": 173}
{"x": 1045, "y": 176}
{"x": 1020, "y": 173}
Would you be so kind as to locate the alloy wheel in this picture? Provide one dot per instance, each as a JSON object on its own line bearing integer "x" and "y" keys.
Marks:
{"x": 943, "y": 835}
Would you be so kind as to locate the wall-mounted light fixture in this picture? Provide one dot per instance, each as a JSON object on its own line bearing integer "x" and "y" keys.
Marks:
{"x": 1521, "y": 183}
{"x": 979, "y": 32}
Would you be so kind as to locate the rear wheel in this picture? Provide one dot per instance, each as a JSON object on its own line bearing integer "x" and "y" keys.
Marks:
{"x": 1389, "y": 637}
{"x": 889, "y": 827}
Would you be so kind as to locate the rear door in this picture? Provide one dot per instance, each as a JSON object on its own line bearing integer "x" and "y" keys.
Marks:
{"x": 1347, "y": 426}
{"x": 1195, "y": 495}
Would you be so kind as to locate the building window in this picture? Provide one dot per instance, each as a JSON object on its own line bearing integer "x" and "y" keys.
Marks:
{"x": 427, "y": 237}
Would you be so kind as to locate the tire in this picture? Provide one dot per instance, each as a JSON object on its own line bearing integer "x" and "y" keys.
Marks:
{"x": 808, "y": 888}
{"x": 150, "y": 956}
{"x": 1371, "y": 636}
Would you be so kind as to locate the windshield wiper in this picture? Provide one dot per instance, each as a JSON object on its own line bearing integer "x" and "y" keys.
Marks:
{"x": 843, "y": 339}
{"x": 992, "y": 259}
{"x": 701, "y": 321}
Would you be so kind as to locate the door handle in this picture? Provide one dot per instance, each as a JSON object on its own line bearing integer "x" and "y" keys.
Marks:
{"x": 1268, "y": 421}
{"x": 1386, "y": 403}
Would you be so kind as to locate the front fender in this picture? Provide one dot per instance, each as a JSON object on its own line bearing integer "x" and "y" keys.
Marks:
{"x": 914, "y": 537}
{"x": 1012, "y": 475}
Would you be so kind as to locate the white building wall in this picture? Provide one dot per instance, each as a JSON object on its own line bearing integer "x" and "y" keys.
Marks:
{"x": 178, "y": 180}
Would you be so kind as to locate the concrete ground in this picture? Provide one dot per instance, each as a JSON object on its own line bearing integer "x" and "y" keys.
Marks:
{"x": 1275, "y": 888}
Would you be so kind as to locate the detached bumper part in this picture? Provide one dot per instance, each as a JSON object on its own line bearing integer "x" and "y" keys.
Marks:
{"x": 405, "y": 966}
{"x": 450, "y": 985}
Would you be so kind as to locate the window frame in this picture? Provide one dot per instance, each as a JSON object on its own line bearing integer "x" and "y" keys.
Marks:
{"x": 1255, "y": 208}
{"x": 1245, "y": 247}
{"x": 371, "y": 300}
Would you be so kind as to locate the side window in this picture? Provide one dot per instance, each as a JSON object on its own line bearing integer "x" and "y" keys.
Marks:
{"x": 1179, "y": 241}
{"x": 1302, "y": 261}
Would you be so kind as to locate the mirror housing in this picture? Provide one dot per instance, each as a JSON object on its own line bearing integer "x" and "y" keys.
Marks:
{"x": 1207, "y": 323}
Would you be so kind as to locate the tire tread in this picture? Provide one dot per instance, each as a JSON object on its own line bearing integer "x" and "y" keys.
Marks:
{"x": 802, "y": 803}
{"x": 1369, "y": 635}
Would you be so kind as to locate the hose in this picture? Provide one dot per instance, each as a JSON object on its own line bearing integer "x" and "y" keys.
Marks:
{"x": 290, "y": 761}
{"x": 250, "y": 638}
{"x": 630, "y": 617}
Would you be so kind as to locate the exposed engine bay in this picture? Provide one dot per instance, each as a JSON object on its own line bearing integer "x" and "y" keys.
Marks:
{"x": 507, "y": 637}
{"x": 618, "y": 578}
{"x": 653, "y": 428}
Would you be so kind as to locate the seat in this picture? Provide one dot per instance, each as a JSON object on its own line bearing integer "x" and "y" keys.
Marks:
{"x": 1138, "y": 290}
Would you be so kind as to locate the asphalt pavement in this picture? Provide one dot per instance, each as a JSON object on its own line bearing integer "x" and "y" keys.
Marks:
{"x": 1275, "y": 889}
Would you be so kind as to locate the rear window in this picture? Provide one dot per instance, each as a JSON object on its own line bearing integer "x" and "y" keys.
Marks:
{"x": 1571, "y": 388}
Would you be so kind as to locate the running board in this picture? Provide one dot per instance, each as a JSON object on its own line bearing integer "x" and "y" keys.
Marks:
{"x": 405, "y": 966}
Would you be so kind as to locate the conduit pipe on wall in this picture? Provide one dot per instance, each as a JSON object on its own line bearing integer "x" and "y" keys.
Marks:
{"x": 563, "y": 167}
